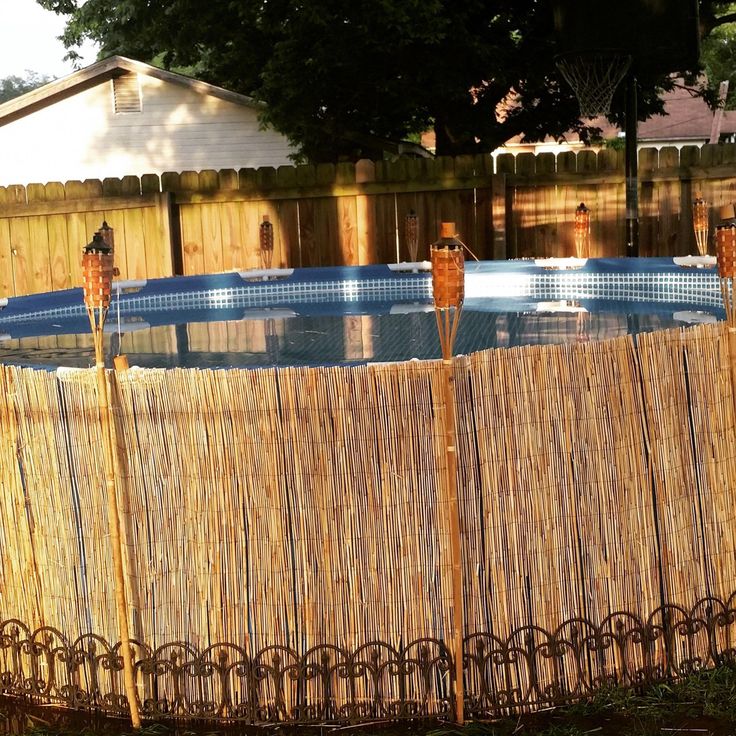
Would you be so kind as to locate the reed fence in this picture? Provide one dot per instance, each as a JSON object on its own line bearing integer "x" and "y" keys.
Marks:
{"x": 285, "y": 530}
{"x": 354, "y": 214}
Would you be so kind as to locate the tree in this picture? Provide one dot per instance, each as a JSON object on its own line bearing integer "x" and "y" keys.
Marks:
{"x": 718, "y": 54}
{"x": 14, "y": 86}
{"x": 479, "y": 71}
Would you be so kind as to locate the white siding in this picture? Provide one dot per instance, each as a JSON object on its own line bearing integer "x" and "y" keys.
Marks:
{"x": 178, "y": 130}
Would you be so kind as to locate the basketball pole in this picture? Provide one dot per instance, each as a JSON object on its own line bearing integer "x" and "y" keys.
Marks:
{"x": 632, "y": 169}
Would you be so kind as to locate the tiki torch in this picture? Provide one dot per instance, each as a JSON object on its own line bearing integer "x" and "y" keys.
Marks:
{"x": 582, "y": 230}
{"x": 266, "y": 242}
{"x": 97, "y": 273}
{"x": 108, "y": 236}
{"x": 448, "y": 285}
{"x": 448, "y": 288}
{"x": 411, "y": 234}
{"x": 700, "y": 224}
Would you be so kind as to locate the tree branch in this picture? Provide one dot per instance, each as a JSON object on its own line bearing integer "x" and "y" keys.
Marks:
{"x": 723, "y": 19}
{"x": 708, "y": 18}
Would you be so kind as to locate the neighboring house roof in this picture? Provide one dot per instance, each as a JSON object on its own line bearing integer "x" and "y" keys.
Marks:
{"x": 687, "y": 117}
{"x": 101, "y": 71}
{"x": 688, "y": 120}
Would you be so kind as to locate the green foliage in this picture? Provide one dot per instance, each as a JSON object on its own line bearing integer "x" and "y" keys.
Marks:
{"x": 332, "y": 72}
{"x": 718, "y": 55}
{"x": 625, "y": 712}
{"x": 13, "y": 86}
{"x": 562, "y": 730}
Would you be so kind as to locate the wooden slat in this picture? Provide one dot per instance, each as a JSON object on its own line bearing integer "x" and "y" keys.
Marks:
{"x": 7, "y": 277}
{"x": 191, "y": 238}
{"x": 22, "y": 258}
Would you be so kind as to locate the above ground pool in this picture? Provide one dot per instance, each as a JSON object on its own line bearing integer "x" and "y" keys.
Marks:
{"x": 334, "y": 316}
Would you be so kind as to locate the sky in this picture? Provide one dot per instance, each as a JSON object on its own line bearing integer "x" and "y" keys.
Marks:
{"x": 28, "y": 41}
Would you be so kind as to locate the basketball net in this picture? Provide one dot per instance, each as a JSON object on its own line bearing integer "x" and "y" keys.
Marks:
{"x": 594, "y": 77}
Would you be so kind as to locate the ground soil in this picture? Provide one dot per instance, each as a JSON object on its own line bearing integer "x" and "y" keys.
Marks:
{"x": 18, "y": 717}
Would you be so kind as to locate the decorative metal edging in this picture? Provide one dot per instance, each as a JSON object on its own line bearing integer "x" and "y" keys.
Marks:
{"x": 530, "y": 668}
{"x": 533, "y": 668}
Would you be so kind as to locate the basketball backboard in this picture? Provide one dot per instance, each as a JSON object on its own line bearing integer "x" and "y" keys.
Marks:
{"x": 661, "y": 36}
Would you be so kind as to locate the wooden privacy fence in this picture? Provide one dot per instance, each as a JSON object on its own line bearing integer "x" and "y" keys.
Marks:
{"x": 542, "y": 192}
{"x": 354, "y": 214}
{"x": 299, "y": 515}
{"x": 44, "y": 228}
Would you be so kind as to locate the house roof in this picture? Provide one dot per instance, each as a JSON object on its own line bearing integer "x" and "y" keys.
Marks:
{"x": 687, "y": 117}
{"x": 102, "y": 71}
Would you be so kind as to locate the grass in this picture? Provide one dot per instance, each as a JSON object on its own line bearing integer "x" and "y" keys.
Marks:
{"x": 703, "y": 704}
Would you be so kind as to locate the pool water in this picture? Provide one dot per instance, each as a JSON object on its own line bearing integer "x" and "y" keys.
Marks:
{"x": 354, "y": 316}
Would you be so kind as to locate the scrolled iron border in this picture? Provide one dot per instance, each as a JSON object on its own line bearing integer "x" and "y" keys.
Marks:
{"x": 530, "y": 668}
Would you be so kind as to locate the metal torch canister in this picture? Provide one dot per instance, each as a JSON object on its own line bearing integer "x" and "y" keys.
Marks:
{"x": 97, "y": 271}
{"x": 448, "y": 269}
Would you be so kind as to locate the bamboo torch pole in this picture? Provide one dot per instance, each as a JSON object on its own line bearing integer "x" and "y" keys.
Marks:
{"x": 726, "y": 257}
{"x": 97, "y": 273}
{"x": 448, "y": 287}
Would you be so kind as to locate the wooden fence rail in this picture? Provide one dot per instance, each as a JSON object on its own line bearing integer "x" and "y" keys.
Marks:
{"x": 350, "y": 214}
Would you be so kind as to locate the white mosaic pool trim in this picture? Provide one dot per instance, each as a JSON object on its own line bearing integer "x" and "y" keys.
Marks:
{"x": 700, "y": 288}
{"x": 696, "y": 288}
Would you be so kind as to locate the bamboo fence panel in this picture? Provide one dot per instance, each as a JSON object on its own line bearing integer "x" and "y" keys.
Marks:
{"x": 18, "y": 569}
{"x": 80, "y": 439}
{"x": 305, "y": 506}
{"x": 664, "y": 386}
{"x": 713, "y": 423}
{"x": 687, "y": 391}
{"x": 692, "y": 386}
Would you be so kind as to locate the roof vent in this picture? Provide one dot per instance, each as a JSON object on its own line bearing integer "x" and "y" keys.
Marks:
{"x": 126, "y": 93}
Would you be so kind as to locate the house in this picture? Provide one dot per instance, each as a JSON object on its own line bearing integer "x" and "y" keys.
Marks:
{"x": 688, "y": 121}
{"x": 121, "y": 117}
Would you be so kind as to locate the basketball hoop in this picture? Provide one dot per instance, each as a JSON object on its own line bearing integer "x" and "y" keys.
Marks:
{"x": 594, "y": 76}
